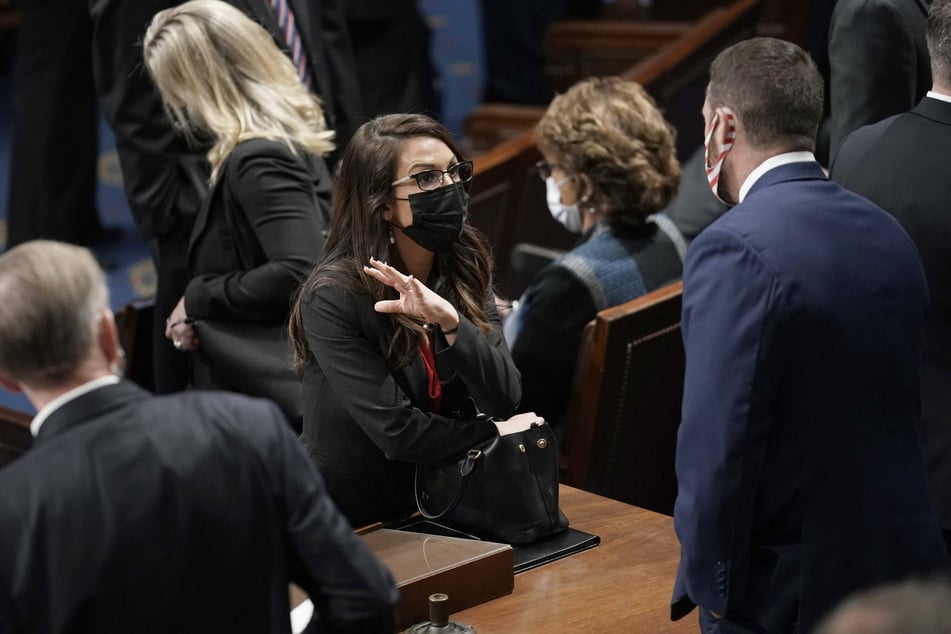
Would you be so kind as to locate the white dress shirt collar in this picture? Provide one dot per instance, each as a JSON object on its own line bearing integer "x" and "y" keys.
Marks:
{"x": 772, "y": 163}
{"x": 940, "y": 96}
{"x": 66, "y": 397}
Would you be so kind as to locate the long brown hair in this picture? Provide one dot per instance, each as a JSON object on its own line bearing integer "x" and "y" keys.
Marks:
{"x": 358, "y": 231}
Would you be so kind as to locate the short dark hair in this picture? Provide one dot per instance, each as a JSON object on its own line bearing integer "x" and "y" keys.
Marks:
{"x": 774, "y": 88}
{"x": 939, "y": 40}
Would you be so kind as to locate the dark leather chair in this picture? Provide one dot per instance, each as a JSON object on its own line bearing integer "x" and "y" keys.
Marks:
{"x": 624, "y": 409}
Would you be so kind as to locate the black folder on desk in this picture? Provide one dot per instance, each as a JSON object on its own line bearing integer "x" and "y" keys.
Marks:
{"x": 561, "y": 545}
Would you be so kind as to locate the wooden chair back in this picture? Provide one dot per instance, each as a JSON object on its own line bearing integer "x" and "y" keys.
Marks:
{"x": 134, "y": 323}
{"x": 15, "y": 436}
{"x": 624, "y": 409}
{"x": 508, "y": 204}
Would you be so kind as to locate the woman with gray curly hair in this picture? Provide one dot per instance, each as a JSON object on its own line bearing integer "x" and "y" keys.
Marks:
{"x": 610, "y": 167}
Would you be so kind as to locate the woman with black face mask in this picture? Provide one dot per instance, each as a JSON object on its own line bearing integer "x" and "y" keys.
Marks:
{"x": 396, "y": 333}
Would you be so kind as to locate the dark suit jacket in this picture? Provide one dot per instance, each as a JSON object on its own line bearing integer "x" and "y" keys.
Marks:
{"x": 188, "y": 513}
{"x": 902, "y": 165}
{"x": 800, "y": 475}
{"x": 367, "y": 425}
{"x": 258, "y": 234}
{"x": 164, "y": 180}
{"x": 878, "y": 61}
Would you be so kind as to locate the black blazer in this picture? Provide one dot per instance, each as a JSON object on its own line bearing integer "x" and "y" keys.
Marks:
{"x": 878, "y": 62}
{"x": 165, "y": 180}
{"x": 902, "y": 165}
{"x": 368, "y": 425}
{"x": 186, "y": 513}
{"x": 258, "y": 234}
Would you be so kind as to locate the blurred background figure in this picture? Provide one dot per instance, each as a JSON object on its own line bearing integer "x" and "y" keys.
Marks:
{"x": 261, "y": 227}
{"x": 54, "y": 152}
{"x": 610, "y": 166}
{"x": 514, "y": 57}
{"x": 901, "y": 164}
{"x": 878, "y": 63}
{"x": 911, "y": 607}
{"x": 391, "y": 44}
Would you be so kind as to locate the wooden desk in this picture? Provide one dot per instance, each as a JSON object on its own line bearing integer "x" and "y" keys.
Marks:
{"x": 622, "y": 585}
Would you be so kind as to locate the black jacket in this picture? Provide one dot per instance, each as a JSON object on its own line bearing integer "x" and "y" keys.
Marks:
{"x": 186, "y": 513}
{"x": 368, "y": 425}
{"x": 901, "y": 164}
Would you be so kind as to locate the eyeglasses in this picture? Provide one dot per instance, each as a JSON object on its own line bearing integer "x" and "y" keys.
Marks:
{"x": 545, "y": 169}
{"x": 428, "y": 180}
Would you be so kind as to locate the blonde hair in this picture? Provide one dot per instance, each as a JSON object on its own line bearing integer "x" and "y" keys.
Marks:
{"x": 611, "y": 131}
{"x": 221, "y": 74}
{"x": 51, "y": 297}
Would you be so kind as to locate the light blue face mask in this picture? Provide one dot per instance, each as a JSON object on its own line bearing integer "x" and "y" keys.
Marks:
{"x": 568, "y": 216}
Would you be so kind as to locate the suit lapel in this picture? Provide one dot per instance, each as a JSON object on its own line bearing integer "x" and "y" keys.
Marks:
{"x": 88, "y": 407}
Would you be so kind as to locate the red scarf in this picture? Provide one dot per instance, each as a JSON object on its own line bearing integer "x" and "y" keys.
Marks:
{"x": 432, "y": 379}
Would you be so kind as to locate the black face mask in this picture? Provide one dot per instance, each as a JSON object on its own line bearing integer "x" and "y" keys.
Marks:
{"x": 438, "y": 217}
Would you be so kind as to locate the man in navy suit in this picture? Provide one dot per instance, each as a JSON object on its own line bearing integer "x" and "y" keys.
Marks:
{"x": 902, "y": 164}
{"x": 800, "y": 476}
{"x": 140, "y": 513}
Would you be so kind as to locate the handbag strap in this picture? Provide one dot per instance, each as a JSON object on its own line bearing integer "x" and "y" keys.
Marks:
{"x": 465, "y": 470}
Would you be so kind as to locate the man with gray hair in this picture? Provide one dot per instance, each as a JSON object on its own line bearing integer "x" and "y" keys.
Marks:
{"x": 902, "y": 165}
{"x": 138, "y": 513}
{"x": 799, "y": 473}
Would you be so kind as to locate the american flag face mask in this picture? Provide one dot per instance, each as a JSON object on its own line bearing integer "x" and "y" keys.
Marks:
{"x": 713, "y": 171}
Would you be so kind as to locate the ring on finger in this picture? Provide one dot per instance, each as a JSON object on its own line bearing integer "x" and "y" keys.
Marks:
{"x": 178, "y": 344}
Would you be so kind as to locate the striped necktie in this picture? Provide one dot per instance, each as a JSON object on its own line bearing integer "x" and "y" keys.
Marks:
{"x": 288, "y": 26}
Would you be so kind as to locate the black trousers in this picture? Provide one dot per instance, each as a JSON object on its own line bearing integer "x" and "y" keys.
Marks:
{"x": 55, "y": 138}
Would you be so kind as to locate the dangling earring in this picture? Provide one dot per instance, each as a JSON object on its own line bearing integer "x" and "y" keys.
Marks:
{"x": 391, "y": 237}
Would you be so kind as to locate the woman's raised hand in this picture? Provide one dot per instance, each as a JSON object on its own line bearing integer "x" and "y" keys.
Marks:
{"x": 416, "y": 299}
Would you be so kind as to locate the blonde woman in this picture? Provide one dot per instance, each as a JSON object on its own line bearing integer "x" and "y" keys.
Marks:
{"x": 610, "y": 166}
{"x": 226, "y": 85}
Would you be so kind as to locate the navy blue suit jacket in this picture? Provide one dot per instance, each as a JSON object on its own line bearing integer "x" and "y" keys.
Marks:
{"x": 184, "y": 513}
{"x": 800, "y": 476}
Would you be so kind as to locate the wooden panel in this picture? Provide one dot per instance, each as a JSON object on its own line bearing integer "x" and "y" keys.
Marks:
{"x": 15, "y": 437}
{"x": 491, "y": 124}
{"x": 624, "y": 408}
{"x": 623, "y": 585}
{"x": 596, "y": 48}
{"x": 134, "y": 323}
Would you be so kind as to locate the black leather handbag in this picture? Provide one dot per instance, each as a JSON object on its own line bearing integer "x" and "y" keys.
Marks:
{"x": 505, "y": 490}
{"x": 253, "y": 359}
